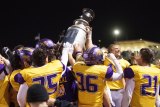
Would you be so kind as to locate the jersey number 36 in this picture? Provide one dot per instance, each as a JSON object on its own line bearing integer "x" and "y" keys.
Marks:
{"x": 84, "y": 82}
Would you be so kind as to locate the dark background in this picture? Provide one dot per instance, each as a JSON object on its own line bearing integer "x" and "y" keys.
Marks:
{"x": 23, "y": 20}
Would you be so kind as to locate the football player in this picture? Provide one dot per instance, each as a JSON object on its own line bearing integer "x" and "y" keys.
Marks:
{"x": 88, "y": 45}
{"x": 24, "y": 57}
{"x": 116, "y": 87}
{"x": 142, "y": 85}
{"x": 91, "y": 75}
{"x": 42, "y": 72}
{"x": 67, "y": 87}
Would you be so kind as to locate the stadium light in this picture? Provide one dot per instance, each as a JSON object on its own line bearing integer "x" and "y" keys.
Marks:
{"x": 116, "y": 33}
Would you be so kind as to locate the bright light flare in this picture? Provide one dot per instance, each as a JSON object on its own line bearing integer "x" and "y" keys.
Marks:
{"x": 116, "y": 32}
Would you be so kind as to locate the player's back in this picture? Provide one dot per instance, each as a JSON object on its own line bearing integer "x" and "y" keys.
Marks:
{"x": 91, "y": 83}
{"x": 146, "y": 82}
{"x": 47, "y": 75}
{"x": 4, "y": 92}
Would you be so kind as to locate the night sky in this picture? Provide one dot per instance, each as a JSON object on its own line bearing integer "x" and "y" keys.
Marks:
{"x": 24, "y": 20}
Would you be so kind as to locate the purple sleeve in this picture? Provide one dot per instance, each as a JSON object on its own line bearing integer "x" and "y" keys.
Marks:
{"x": 109, "y": 72}
{"x": 2, "y": 67}
{"x": 19, "y": 79}
{"x": 128, "y": 73}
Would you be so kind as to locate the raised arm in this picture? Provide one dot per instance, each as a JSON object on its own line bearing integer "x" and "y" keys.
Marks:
{"x": 119, "y": 72}
{"x": 64, "y": 57}
{"x": 78, "y": 54}
{"x": 7, "y": 64}
{"x": 89, "y": 43}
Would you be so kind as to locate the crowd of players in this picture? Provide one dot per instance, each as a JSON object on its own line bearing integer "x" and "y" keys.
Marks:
{"x": 75, "y": 76}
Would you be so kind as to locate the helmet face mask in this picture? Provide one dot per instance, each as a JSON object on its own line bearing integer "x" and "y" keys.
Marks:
{"x": 93, "y": 56}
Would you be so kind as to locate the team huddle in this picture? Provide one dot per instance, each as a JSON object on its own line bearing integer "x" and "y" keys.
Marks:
{"x": 81, "y": 76}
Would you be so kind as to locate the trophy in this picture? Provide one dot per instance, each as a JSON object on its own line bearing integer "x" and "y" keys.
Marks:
{"x": 77, "y": 32}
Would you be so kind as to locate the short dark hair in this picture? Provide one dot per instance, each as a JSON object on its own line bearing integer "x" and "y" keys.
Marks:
{"x": 147, "y": 55}
{"x": 37, "y": 93}
{"x": 39, "y": 57}
{"x": 16, "y": 61}
{"x": 51, "y": 54}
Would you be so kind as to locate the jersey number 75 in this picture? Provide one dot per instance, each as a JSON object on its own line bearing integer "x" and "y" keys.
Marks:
{"x": 47, "y": 81}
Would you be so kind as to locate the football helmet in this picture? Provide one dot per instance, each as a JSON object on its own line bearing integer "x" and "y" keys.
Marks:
{"x": 93, "y": 56}
{"x": 45, "y": 43}
{"x": 25, "y": 56}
